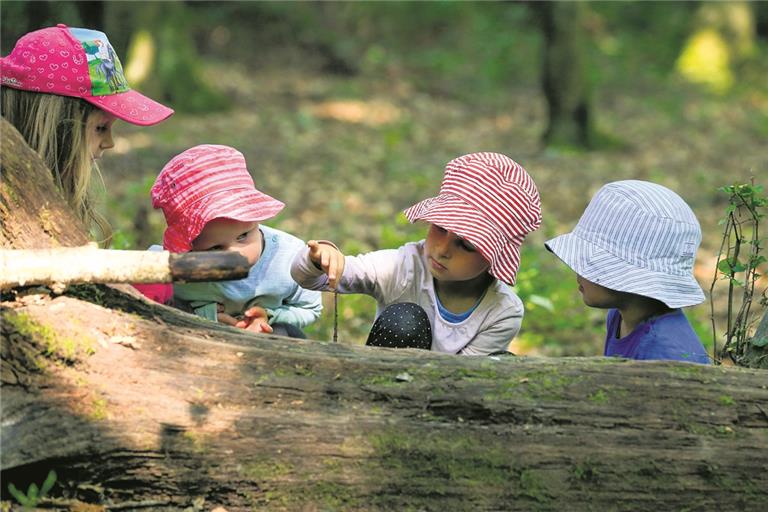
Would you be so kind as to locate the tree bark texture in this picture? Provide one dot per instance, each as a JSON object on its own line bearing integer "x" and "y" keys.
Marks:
{"x": 138, "y": 406}
{"x": 33, "y": 214}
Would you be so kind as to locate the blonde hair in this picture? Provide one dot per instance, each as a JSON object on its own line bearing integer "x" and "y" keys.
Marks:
{"x": 55, "y": 127}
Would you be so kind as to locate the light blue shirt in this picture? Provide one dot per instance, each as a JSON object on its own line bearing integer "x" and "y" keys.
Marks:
{"x": 269, "y": 285}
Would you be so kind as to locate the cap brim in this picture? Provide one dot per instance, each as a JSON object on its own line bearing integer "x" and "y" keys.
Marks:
{"x": 601, "y": 267}
{"x": 452, "y": 213}
{"x": 132, "y": 107}
{"x": 244, "y": 205}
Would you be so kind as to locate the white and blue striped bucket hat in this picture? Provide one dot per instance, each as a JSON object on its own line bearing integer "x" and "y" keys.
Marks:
{"x": 636, "y": 237}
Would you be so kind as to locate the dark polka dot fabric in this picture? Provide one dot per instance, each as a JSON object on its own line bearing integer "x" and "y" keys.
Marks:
{"x": 403, "y": 325}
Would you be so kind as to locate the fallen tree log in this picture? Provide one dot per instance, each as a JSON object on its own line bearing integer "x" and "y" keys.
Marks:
{"x": 139, "y": 406}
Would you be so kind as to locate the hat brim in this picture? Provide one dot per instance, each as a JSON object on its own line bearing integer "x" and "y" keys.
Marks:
{"x": 454, "y": 214}
{"x": 601, "y": 267}
{"x": 244, "y": 205}
{"x": 132, "y": 107}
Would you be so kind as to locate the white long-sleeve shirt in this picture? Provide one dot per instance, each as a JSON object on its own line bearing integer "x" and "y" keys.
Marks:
{"x": 402, "y": 275}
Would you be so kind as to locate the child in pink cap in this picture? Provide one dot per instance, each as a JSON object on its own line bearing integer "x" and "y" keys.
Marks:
{"x": 63, "y": 88}
{"x": 450, "y": 292}
{"x": 210, "y": 203}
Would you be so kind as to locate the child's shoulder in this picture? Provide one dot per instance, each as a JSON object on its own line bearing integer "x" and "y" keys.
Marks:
{"x": 671, "y": 336}
{"x": 281, "y": 238}
{"x": 503, "y": 297}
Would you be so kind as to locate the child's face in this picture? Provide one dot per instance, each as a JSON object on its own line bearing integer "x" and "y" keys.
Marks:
{"x": 452, "y": 258}
{"x": 597, "y": 296}
{"x": 99, "y": 132}
{"x": 231, "y": 235}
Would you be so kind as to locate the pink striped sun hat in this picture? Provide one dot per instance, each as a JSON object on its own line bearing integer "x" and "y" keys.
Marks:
{"x": 81, "y": 63}
{"x": 204, "y": 183}
{"x": 489, "y": 200}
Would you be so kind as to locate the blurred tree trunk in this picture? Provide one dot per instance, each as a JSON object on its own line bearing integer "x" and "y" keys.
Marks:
{"x": 92, "y": 14}
{"x": 564, "y": 77}
{"x": 162, "y": 60}
{"x": 139, "y": 406}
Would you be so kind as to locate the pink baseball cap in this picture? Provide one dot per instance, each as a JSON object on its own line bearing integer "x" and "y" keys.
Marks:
{"x": 81, "y": 63}
{"x": 204, "y": 183}
{"x": 489, "y": 200}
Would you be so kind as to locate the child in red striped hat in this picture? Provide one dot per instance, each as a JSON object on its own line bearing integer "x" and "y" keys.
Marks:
{"x": 210, "y": 203}
{"x": 450, "y": 292}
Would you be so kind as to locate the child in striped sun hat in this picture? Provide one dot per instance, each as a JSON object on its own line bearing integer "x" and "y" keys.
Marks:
{"x": 450, "y": 292}
{"x": 633, "y": 251}
{"x": 210, "y": 203}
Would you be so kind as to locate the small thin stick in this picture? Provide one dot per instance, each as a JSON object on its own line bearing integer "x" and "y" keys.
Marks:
{"x": 335, "y": 316}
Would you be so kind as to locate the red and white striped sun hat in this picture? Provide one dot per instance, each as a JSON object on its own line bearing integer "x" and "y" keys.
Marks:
{"x": 204, "y": 183}
{"x": 489, "y": 200}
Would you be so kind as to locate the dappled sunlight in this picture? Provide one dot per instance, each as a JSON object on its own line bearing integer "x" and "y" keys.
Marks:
{"x": 141, "y": 58}
{"x": 706, "y": 60}
{"x": 137, "y": 140}
{"x": 372, "y": 112}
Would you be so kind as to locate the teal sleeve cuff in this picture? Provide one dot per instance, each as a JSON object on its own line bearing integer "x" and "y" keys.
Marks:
{"x": 207, "y": 311}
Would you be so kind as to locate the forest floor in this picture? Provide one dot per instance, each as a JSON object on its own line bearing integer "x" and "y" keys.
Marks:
{"x": 348, "y": 153}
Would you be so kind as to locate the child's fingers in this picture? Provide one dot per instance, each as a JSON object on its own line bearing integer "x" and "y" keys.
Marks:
{"x": 226, "y": 319}
{"x": 314, "y": 249}
{"x": 266, "y": 328}
{"x": 337, "y": 265}
{"x": 256, "y": 312}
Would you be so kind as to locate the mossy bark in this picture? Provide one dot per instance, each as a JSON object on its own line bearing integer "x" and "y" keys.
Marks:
{"x": 139, "y": 405}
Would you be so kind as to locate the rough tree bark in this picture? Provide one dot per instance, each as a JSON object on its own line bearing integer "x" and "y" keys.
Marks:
{"x": 138, "y": 406}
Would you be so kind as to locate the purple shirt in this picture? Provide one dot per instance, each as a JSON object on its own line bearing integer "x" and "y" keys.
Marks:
{"x": 667, "y": 336}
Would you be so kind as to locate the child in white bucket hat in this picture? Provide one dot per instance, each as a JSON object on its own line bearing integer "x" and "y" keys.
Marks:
{"x": 633, "y": 251}
{"x": 210, "y": 203}
{"x": 450, "y": 292}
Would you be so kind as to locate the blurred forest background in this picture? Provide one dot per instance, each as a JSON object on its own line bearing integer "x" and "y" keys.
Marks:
{"x": 348, "y": 112}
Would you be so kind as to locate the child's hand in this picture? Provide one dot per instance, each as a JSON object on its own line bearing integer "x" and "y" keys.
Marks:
{"x": 328, "y": 259}
{"x": 223, "y": 317}
{"x": 255, "y": 319}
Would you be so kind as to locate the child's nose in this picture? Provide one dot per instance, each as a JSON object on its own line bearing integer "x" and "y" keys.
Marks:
{"x": 107, "y": 142}
{"x": 444, "y": 245}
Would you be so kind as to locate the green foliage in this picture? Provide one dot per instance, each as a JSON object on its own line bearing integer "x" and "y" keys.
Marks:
{"x": 33, "y": 494}
{"x": 556, "y": 320}
{"x": 739, "y": 262}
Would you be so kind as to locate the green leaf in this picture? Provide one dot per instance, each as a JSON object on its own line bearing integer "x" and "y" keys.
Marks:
{"x": 724, "y": 266}
{"x": 32, "y": 492}
{"x": 759, "y": 342}
{"x": 20, "y": 496}
{"x": 543, "y": 302}
{"x": 48, "y": 484}
{"x": 739, "y": 267}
